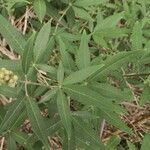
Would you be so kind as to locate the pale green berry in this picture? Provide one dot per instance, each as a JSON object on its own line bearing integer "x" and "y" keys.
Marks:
{"x": 1, "y": 75}
{"x": 6, "y": 78}
{"x": 6, "y": 72}
{"x": 15, "y": 77}
{"x": 11, "y": 84}
{"x": 11, "y": 81}
{"x": 3, "y": 69}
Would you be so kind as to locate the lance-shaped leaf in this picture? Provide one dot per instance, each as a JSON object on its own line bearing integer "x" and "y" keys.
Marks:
{"x": 11, "y": 145}
{"x": 136, "y": 37}
{"x": 83, "y": 55}
{"x": 12, "y": 114}
{"x": 110, "y": 21}
{"x": 89, "y": 97}
{"x": 13, "y": 65}
{"x": 60, "y": 73}
{"x": 40, "y": 8}
{"x": 41, "y": 42}
{"x": 81, "y": 75}
{"x": 66, "y": 59}
{"x": 8, "y": 91}
{"x": 82, "y": 13}
{"x": 53, "y": 127}
{"x": 109, "y": 91}
{"x": 23, "y": 139}
{"x": 116, "y": 62}
{"x": 88, "y": 138}
{"x": 28, "y": 54}
{"x": 64, "y": 112}
{"x": 48, "y": 95}
{"x": 2, "y": 113}
{"x": 37, "y": 121}
{"x": 86, "y": 3}
{"x": 12, "y": 36}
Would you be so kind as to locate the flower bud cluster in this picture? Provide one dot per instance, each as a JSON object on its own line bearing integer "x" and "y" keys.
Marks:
{"x": 7, "y": 77}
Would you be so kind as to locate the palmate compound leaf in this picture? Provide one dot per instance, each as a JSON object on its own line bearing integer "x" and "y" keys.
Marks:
{"x": 37, "y": 121}
{"x": 81, "y": 75}
{"x": 41, "y": 42}
{"x": 83, "y": 54}
{"x": 64, "y": 112}
{"x": 12, "y": 115}
{"x": 13, "y": 37}
{"x": 89, "y": 97}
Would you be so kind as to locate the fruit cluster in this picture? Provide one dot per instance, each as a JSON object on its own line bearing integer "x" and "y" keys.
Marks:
{"x": 7, "y": 77}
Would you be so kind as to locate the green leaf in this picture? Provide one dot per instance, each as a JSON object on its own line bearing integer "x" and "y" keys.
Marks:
{"x": 108, "y": 33}
{"x": 60, "y": 73}
{"x": 110, "y": 21}
{"x": 109, "y": 91}
{"x": 136, "y": 37}
{"x": 54, "y": 127}
{"x": 37, "y": 121}
{"x": 116, "y": 62}
{"x": 23, "y": 139}
{"x": 81, "y": 13}
{"x": 89, "y": 97}
{"x": 2, "y": 113}
{"x": 41, "y": 42}
{"x": 12, "y": 114}
{"x": 81, "y": 75}
{"x": 52, "y": 71}
{"x": 10, "y": 4}
{"x": 66, "y": 59}
{"x": 40, "y": 8}
{"x": 86, "y": 3}
{"x": 83, "y": 55}
{"x": 11, "y": 145}
{"x": 145, "y": 97}
{"x": 48, "y": 95}
{"x": 8, "y": 91}
{"x": 85, "y": 133}
{"x": 13, "y": 37}
{"x": 145, "y": 142}
{"x": 13, "y": 65}
{"x": 28, "y": 54}
{"x": 113, "y": 142}
{"x": 64, "y": 112}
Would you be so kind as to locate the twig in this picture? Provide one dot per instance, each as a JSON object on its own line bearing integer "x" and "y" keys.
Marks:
{"x": 129, "y": 85}
{"x": 132, "y": 75}
{"x": 102, "y": 128}
{"x": 25, "y": 21}
{"x": 25, "y": 85}
{"x": 2, "y": 143}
